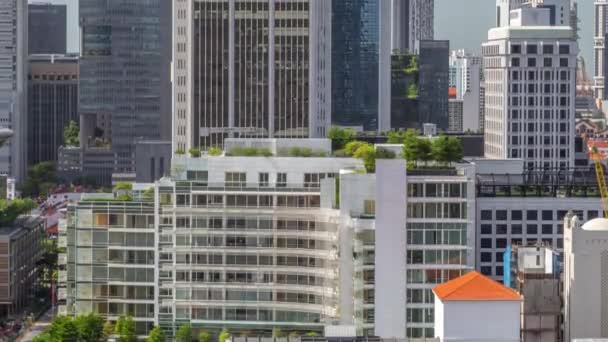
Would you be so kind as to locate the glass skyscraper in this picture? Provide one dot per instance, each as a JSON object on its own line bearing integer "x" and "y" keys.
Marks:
{"x": 355, "y": 58}
{"x": 124, "y": 75}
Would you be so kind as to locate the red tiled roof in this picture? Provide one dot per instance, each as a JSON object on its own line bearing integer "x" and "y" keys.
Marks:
{"x": 474, "y": 287}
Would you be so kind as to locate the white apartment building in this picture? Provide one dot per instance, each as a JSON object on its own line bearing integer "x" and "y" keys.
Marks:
{"x": 407, "y": 241}
{"x": 530, "y": 86}
{"x": 250, "y": 69}
{"x": 13, "y": 87}
{"x": 585, "y": 277}
{"x": 466, "y": 76}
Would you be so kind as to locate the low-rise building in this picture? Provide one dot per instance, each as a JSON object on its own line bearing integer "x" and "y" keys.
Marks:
{"x": 20, "y": 251}
{"x": 476, "y": 308}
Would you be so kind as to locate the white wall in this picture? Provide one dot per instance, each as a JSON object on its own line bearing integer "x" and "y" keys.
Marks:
{"x": 477, "y": 320}
{"x": 390, "y": 260}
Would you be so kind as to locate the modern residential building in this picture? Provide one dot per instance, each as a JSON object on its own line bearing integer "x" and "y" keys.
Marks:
{"x": 585, "y": 295}
{"x": 47, "y": 28}
{"x": 535, "y": 272}
{"x": 13, "y": 87}
{"x": 434, "y": 82}
{"x": 124, "y": 78}
{"x": 599, "y": 46}
{"x": 253, "y": 243}
{"x": 530, "y": 89}
{"x": 404, "y": 92}
{"x": 461, "y": 304}
{"x": 52, "y": 104}
{"x": 242, "y": 90}
{"x": 20, "y": 251}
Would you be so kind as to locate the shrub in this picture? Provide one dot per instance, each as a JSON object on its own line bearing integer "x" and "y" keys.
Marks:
{"x": 215, "y": 151}
{"x": 340, "y": 137}
{"x": 194, "y": 152}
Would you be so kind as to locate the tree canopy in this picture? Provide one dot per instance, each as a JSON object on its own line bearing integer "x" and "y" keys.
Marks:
{"x": 156, "y": 335}
{"x": 184, "y": 333}
{"x": 340, "y": 137}
{"x": 70, "y": 134}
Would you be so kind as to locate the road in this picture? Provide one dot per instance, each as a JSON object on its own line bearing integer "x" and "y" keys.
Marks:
{"x": 38, "y": 327}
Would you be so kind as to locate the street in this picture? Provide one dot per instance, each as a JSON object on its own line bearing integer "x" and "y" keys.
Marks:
{"x": 39, "y": 326}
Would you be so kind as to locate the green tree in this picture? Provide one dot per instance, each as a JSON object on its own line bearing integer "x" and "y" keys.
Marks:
{"x": 340, "y": 137}
{"x": 10, "y": 212}
{"x": 125, "y": 329}
{"x": 277, "y": 332}
{"x": 215, "y": 151}
{"x": 396, "y": 137}
{"x": 70, "y": 134}
{"x": 37, "y": 176}
{"x": 90, "y": 327}
{"x": 224, "y": 335}
{"x": 156, "y": 335}
{"x": 352, "y": 147}
{"x": 415, "y": 147}
{"x": 194, "y": 152}
{"x": 107, "y": 331}
{"x": 184, "y": 333}
{"x": 446, "y": 149}
{"x": 204, "y": 336}
{"x": 69, "y": 332}
{"x": 367, "y": 153}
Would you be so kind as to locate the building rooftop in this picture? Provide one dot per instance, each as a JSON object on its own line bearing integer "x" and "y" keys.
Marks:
{"x": 474, "y": 287}
{"x": 597, "y": 224}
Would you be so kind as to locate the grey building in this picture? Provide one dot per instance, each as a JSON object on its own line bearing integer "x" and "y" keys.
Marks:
{"x": 52, "y": 103}
{"x": 47, "y": 28}
{"x": 124, "y": 77}
{"x": 152, "y": 160}
{"x": 434, "y": 82}
{"x": 248, "y": 69}
{"x": 13, "y": 71}
{"x": 19, "y": 254}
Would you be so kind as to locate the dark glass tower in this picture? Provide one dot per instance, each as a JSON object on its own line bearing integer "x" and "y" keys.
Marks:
{"x": 355, "y": 58}
{"x": 47, "y": 28}
{"x": 124, "y": 73}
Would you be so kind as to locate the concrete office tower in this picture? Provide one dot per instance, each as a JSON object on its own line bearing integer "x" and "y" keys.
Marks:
{"x": 52, "y": 103}
{"x": 47, "y": 25}
{"x": 585, "y": 277}
{"x": 13, "y": 106}
{"x": 599, "y": 47}
{"x": 560, "y": 11}
{"x": 433, "y": 83}
{"x": 530, "y": 83}
{"x": 355, "y": 44}
{"x": 124, "y": 79}
{"x": 244, "y": 69}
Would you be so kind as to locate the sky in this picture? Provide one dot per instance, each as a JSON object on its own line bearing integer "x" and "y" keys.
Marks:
{"x": 466, "y": 22}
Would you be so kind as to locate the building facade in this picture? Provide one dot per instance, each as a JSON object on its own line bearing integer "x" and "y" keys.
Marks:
{"x": 20, "y": 251}
{"x": 47, "y": 28}
{"x": 530, "y": 90}
{"x": 599, "y": 47}
{"x": 585, "y": 258}
{"x": 269, "y": 76}
{"x": 124, "y": 76}
{"x": 455, "y": 115}
{"x": 434, "y": 82}
{"x": 52, "y": 104}
{"x": 355, "y": 43}
{"x": 13, "y": 87}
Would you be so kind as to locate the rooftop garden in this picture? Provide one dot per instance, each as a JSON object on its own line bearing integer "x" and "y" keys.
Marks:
{"x": 13, "y": 209}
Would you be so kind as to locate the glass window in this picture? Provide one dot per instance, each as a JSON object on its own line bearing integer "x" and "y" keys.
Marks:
{"x": 486, "y": 243}
{"x": 433, "y": 190}
{"x": 547, "y": 215}
{"x": 501, "y": 215}
{"x": 281, "y": 180}
{"x": 531, "y": 49}
{"x": 486, "y": 229}
{"x": 531, "y": 215}
{"x": 486, "y": 215}
{"x": 547, "y": 229}
{"x": 516, "y": 215}
{"x": 532, "y": 229}
{"x": 263, "y": 179}
{"x": 516, "y": 229}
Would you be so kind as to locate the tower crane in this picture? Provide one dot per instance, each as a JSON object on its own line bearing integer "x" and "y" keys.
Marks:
{"x": 596, "y": 156}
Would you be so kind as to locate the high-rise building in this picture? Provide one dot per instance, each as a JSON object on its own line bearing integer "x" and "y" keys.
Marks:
{"x": 433, "y": 82}
{"x": 599, "y": 46}
{"x": 455, "y": 115}
{"x": 13, "y": 88}
{"x": 466, "y": 76}
{"x": 530, "y": 89}
{"x": 124, "y": 78}
{"x": 47, "y": 28}
{"x": 52, "y": 104}
{"x": 245, "y": 69}
{"x": 355, "y": 44}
